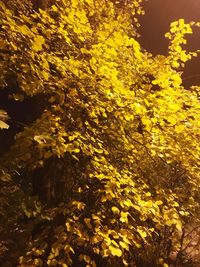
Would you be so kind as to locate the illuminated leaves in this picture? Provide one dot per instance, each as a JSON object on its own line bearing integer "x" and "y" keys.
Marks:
{"x": 142, "y": 233}
{"x": 172, "y": 218}
{"x": 115, "y": 251}
{"x": 178, "y": 30}
{"x": 116, "y": 121}
{"x": 3, "y": 125}
{"x": 179, "y": 128}
{"x": 38, "y": 41}
{"x": 115, "y": 210}
{"x": 124, "y": 217}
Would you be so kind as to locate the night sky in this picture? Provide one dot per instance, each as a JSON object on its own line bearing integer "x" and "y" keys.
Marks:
{"x": 155, "y": 23}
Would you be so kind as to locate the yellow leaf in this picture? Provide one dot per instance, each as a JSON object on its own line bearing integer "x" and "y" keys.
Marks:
{"x": 79, "y": 205}
{"x": 175, "y": 204}
{"x": 172, "y": 120}
{"x": 159, "y": 202}
{"x": 142, "y": 233}
{"x": 45, "y": 74}
{"x": 124, "y": 216}
{"x": 114, "y": 243}
{"x": 174, "y": 107}
{"x": 128, "y": 203}
{"x": 123, "y": 245}
{"x": 105, "y": 253}
{"x": 37, "y": 43}
{"x": 3, "y": 125}
{"x": 179, "y": 225}
{"x": 40, "y": 139}
{"x": 115, "y": 251}
{"x": 175, "y": 64}
{"x": 184, "y": 213}
{"x": 179, "y": 128}
{"x": 115, "y": 210}
{"x": 68, "y": 226}
{"x": 25, "y": 30}
{"x": 54, "y": 8}
{"x": 125, "y": 263}
{"x": 71, "y": 148}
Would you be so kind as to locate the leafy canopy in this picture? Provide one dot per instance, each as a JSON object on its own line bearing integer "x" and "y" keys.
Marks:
{"x": 118, "y": 118}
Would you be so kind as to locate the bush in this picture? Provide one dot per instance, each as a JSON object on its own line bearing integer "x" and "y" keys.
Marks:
{"x": 107, "y": 167}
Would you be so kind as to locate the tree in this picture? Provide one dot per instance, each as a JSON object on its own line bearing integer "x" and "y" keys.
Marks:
{"x": 106, "y": 169}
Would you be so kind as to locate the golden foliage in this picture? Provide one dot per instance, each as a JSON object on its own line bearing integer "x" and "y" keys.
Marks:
{"x": 117, "y": 106}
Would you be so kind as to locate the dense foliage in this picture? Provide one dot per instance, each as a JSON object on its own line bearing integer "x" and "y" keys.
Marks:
{"x": 108, "y": 174}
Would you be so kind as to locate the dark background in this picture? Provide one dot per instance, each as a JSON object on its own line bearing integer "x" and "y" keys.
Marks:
{"x": 156, "y": 22}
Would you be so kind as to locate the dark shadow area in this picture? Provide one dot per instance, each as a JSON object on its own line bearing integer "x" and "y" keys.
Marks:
{"x": 21, "y": 114}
